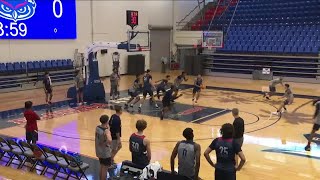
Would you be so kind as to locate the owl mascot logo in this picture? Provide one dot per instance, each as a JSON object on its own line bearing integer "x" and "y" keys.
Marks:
{"x": 17, "y": 10}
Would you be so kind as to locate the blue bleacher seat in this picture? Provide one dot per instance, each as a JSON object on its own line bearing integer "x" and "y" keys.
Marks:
{"x": 3, "y": 68}
{"x": 43, "y": 65}
{"x": 48, "y": 64}
{"x": 17, "y": 67}
{"x": 54, "y": 64}
{"x": 10, "y": 67}
{"x": 36, "y": 65}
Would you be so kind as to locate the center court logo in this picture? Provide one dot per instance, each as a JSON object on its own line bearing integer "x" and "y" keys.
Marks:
{"x": 17, "y": 10}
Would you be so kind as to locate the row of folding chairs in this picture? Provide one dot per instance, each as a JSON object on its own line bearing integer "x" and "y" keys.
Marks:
{"x": 21, "y": 152}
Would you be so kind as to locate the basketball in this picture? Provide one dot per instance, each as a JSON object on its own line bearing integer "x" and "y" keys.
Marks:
{"x": 203, "y": 86}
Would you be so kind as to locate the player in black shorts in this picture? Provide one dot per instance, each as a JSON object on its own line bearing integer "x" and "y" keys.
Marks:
{"x": 147, "y": 88}
{"x": 134, "y": 92}
{"x": 47, "y": 86}
{"x": 226, "y": 149}
{"x": 198, "y": 82}
{"x": 166, "y": 101}
{"x": 162, "y": 86}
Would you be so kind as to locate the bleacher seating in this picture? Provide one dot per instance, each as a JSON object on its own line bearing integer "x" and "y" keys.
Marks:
{"x": 279, "y": 30}
{"x": 14, "y": 75}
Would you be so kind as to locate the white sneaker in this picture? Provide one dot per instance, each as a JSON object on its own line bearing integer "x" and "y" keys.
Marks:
{"x": 283, "y": 111}
{"x": 275, "y": 113}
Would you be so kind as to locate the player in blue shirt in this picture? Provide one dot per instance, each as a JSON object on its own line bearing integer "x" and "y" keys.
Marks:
{"x": 162, "y": 85}
{"x": 147, "y": 88}
{"x": 166, "y": 101}
{"x": 226, "y": 149}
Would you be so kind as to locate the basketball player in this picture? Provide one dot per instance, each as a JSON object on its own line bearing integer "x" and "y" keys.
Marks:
{"x": 31, "y": 125}
{"x": 178, "y": 81}
{"x": 140, "y": 146}
{"x": 47, "y": 86}
{"x": 166, "y": 101}
{"x": 134, "y": 92}
{"x": 162, "y": 85}
{"x": 272, "y": 87}
{"x": 115, "y": 129}
{"x": 226, "y": 149}
{"x": 198, "y": 83}
{"x": 316, "y": 125}
{"x": 102, "y": 143}
{"x": 79, "y": 83}
{"x": 188, "y": 156}
{"x": 114, "y": 84}
{"x": 147, "y": 88}
{"x": 288, "y": 99}
{"x": 238, "y": 125}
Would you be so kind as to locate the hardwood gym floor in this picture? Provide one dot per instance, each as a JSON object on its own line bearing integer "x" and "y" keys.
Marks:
{"x": 274, "y": 146}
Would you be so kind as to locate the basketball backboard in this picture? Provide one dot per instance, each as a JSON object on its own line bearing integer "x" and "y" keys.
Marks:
{"x": 138, "y": 41}
{"x": 212, "y": 39}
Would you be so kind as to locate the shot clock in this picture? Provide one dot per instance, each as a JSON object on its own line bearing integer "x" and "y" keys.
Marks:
{"x": 132, "y": 18}
{"x": 38, "y": 19}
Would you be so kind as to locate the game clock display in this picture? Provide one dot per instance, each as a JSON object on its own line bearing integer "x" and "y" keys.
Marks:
{"x": 38, "y": 19}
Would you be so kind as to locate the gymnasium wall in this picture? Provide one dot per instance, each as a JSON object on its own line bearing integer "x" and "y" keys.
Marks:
{"x": 109, "y": 24}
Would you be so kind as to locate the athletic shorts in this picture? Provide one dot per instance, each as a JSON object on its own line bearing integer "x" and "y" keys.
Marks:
{"x": 166, "y": 103}
{"x": 272, "y": 89}
{"x": 160, "y": 89}
{"x": 114, "y": 145}
{"x": 239, "y": 141}
{"x": 224, "y": 175}
{"x": 147, "y": 91}
{"x": 316, "y": 127}
{"x": 49, "y": 91}
{"x": 287, "y": 102}
{"x": 133, "y": 94}
{"x": 105, "y": 161}
{"x": 80, "y": 90}
{"x": 196, "y": 89}
{"x": 32, "y": 136}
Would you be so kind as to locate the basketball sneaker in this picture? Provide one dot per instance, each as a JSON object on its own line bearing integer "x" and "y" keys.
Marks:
{"x": 307, "y": 148}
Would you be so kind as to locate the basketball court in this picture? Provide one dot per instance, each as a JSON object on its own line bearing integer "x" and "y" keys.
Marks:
{"x": 237, "y": 46}
{"x": 274, "y": 146}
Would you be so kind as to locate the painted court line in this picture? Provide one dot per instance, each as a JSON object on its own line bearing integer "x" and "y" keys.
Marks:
{"x": 196, "y": 120}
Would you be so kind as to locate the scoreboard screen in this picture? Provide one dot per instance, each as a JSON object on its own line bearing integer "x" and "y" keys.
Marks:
{"x": 132, "y": 18}
{"x": 38, "y": 19}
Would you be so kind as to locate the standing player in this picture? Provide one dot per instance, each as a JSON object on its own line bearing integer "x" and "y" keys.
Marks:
{"x": 178, "y": 81}
{"x": 147, "y": 88}
{"x": 47, "y": 86}
{"x": 226, "y": 149}
{"x": 139, "y": 146}
{"x": 79, "y": 83}
{"x": 238, "y": 125}
{"x": 31, "y": 126}
{"x": 272, "y": 87}
{"x": 316, "y": 125}
{"x": 114, "y": 84}
{"x": 115, "y": 129}
{"x": 102, "y": 143}
{"x": 134, "y": 92}
{"x": 188, "y": 156}
{"x": 288, "y": 99}
{"x": 162, "y": 85}
{"x": 166, "y": 101}
{"x": 198, "y": 83}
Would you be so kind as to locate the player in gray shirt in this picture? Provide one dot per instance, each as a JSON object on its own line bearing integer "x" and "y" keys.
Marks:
{"x": 79, "y": 83}
{"x": 316, "y": 125}
{"x": 288, "y": 99}
{"x": 272, "y": 87}
{"x": 102, "y": 145}
{"x": 114, "y": 84}
{"x": 188, "y": 156}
